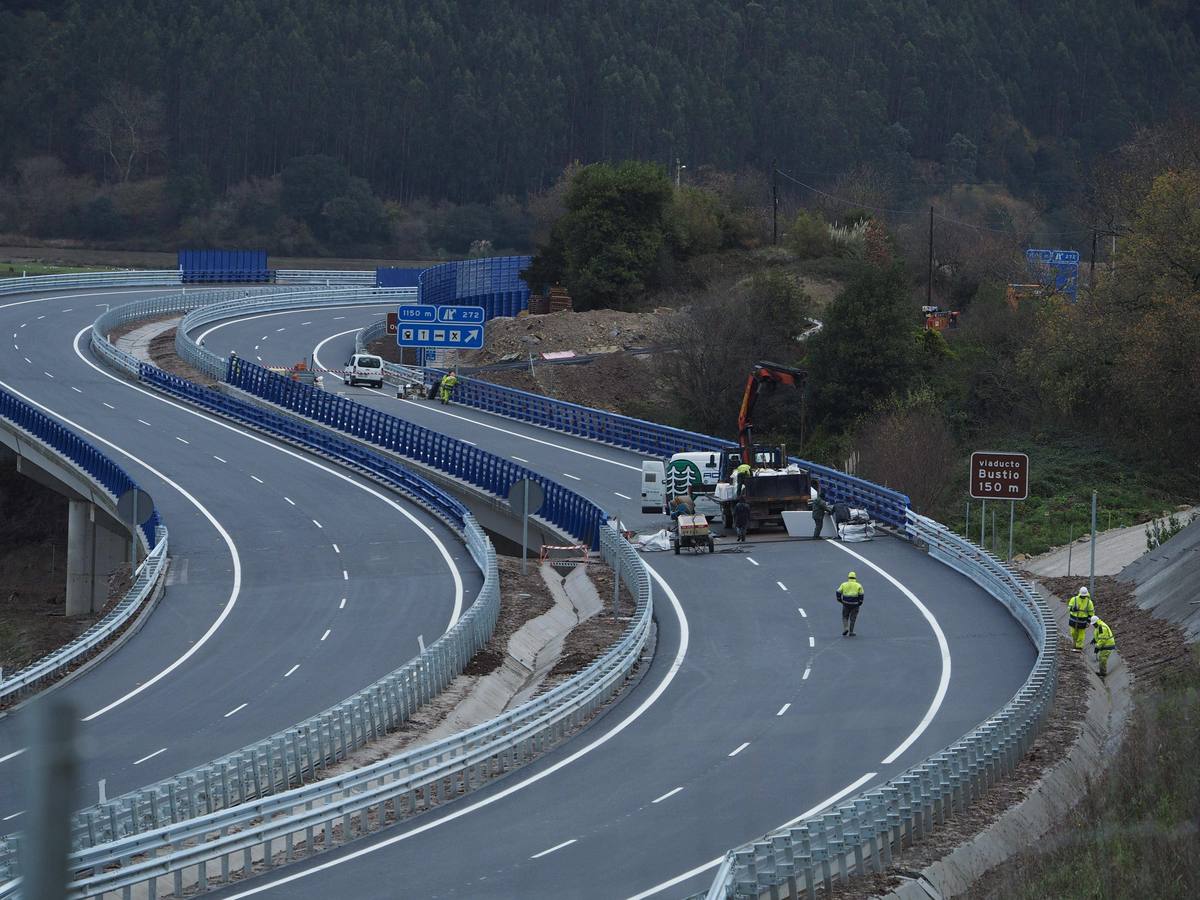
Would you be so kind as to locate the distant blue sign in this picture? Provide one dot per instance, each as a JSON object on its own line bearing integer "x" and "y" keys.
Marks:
{"x": 448, "y": 336}
{"x": 416, "y": 312}
{"x": 1057, "y": 267}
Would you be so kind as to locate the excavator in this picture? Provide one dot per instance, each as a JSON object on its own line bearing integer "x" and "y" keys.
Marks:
{"x": 775, "y": 485}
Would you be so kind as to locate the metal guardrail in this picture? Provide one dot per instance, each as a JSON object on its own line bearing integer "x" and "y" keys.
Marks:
{"x": 327, "y": 277}
{"x": 294, "y": 824}
{"x": 422, "y": 776}
{"x": 859, "y": 835}
{"x": 127, "y": 278}
{"x": 213, "y": 364}
{"x": 572, "y": 513}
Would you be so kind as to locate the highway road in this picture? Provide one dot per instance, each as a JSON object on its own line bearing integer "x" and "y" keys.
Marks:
{"x": 754, "y": 711}
{"x": 292, "y": 585}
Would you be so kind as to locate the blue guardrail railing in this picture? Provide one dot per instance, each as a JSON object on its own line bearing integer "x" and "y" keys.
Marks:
{"x": 78, "y": 450}
{"x": 562, "y": 507}
{"x": 884, "y": 504}
{"x": 319, "y": 439}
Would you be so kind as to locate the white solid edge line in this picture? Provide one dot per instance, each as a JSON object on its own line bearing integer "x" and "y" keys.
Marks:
{"x": 234, "y": 320}
{"x": 713, "y": 863}
{"x": 455, "y": 574}
{"x": 479, "y": 424}
{"x": 943, "y": 647}
{"x": 675, "y": 666}
{"x": 555, "y": 847}
{"x": 225, "y": 536}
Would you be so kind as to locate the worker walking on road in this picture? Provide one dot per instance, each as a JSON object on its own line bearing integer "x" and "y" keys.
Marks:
{"x": 448, "y": 382}
{"x": 1080, "y": 611}
{"x": 850, "y": 595}
{"x": 741, "y": 518}
{"x": 1105, "y": 643}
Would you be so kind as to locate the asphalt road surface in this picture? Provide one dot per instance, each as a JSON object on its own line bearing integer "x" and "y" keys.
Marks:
{"x": 754, "y": 711}
{"x": 292, "y": 585}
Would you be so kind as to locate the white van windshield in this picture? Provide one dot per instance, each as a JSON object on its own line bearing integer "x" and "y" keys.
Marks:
{"x": 369, "y": 362}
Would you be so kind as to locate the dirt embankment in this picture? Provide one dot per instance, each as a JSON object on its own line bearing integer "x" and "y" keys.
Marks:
{"x": 33, "y": 574}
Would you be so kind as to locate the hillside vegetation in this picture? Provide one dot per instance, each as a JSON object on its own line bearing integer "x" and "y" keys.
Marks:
{"x": 296, "y": 123}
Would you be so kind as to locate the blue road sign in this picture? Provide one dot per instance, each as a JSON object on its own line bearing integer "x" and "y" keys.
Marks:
{"x": 441, "y": 335}
{"x": 1059, "y": 268}
{"x": 416, "y": 312}
{"x": 460, "y": 314}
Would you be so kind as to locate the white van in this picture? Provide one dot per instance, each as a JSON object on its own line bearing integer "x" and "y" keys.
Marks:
{"x": 653, "y": 498}
{"x": 364, "y": 367}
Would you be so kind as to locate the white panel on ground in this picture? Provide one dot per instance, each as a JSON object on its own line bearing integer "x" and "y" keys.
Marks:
{"x": 799, "y": 524}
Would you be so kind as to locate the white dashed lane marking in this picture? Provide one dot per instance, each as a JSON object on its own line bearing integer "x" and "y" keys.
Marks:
{"x": 517, "y": 458}
{"x": 259, "y": 480}
{"x": 742, "y": 747}
{"x": 336, "y": 549}
{"x": 318, "y": 524}
{"x": 751, "y": 561}
{"x": 218, "y": 459}
{"x": 326, "y": 634}
{"x": 782, "y": 586}
{"x": 573, "y": 477}
{"x": 807, "y": 672}
{"x": 290, "y": 500}
{"x": 803, "y": 614}
{"x": 109, "y": 405}
{"x": 622, "y": 496}
{"x": 671, "y": 793}
{"x": 342, "y": 605}
{"x": 149, "y": 756}
{"x": 783, "y": 709}
{"x": 235, "y": 709}
{"x": 76, "y": 390}
{"x": 812, "y": 641}
{"x": 291, "y": 670}
{"x": 182, "y": 440}
{"x": 144, "y": 422}
{"x": 555, "y": 847}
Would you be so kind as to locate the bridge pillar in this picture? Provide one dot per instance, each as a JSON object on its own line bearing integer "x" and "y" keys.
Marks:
{"x": 109, "y": 551}
{"x": 81, "y": 541}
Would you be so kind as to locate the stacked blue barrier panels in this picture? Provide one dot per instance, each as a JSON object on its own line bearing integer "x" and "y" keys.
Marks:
{"x": 391, "y": 276}
{"x": 493, "y": 283}
{"x": 214, "y": 266}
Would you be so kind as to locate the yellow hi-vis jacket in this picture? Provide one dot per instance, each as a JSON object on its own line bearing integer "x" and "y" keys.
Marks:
{"x": 1080, "y": 609}
{"x": 1102, "y": 636}
{"x": 850, "y": 593}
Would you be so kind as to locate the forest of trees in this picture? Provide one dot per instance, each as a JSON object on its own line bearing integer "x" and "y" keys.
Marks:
{"x": 141, "y": 117}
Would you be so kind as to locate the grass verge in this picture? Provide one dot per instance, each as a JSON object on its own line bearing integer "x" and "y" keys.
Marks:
{"x": 1062, "y": 478}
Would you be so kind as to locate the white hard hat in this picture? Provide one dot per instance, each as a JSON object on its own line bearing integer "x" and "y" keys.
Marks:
{"x": 1095, "y": 619}
{"x": 1083, "y": 592}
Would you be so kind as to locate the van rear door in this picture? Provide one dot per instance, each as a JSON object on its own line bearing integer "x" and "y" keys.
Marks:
{"x": 653, "y": 498}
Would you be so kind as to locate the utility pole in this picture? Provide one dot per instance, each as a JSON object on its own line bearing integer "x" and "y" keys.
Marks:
{"x": 929, "y": 285}
{"x": 1092, "y": 269}
{"x": 774, "y": 203}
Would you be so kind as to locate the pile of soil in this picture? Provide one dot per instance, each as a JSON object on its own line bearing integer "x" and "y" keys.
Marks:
{"x": 609, "y": 383}
{"x": 595, "y": 331}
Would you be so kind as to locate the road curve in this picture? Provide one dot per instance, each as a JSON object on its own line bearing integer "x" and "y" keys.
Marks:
{"x": 293, "y": 584}
{"x": 754, "y": 710}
